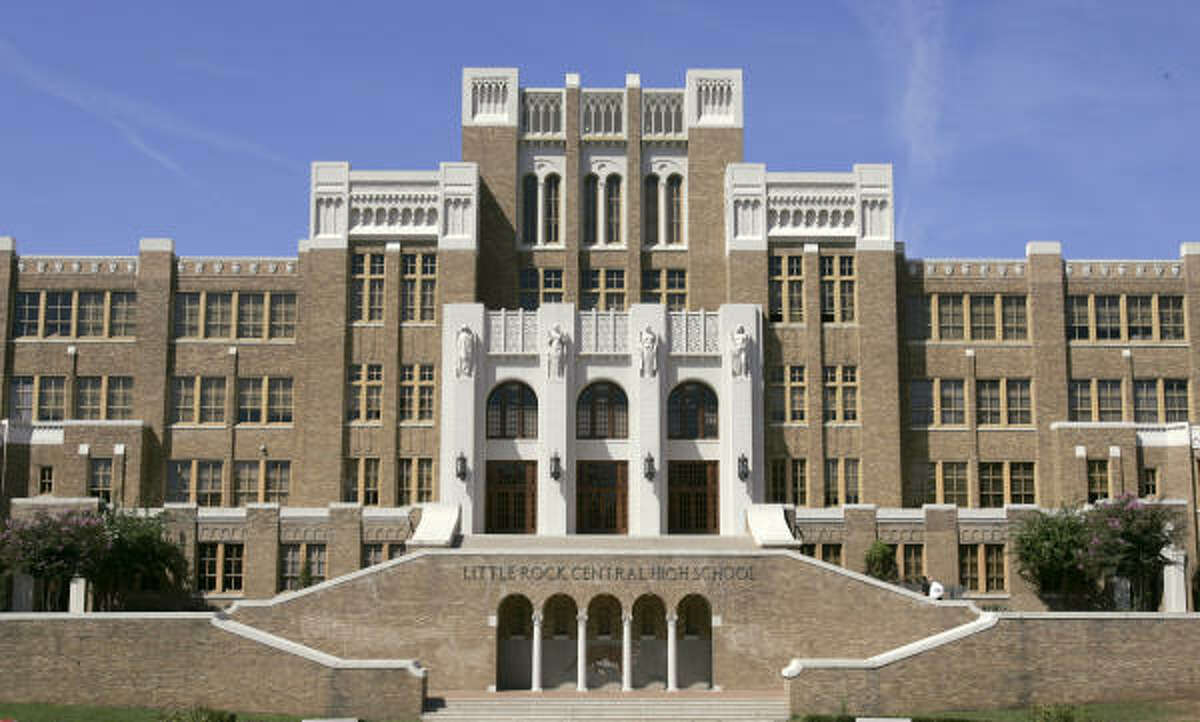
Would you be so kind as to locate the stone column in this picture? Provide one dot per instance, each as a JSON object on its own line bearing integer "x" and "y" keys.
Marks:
{"x": 541, "y": 212}
{"x": 662, "y": 210}
{"x": 672, "y": 685}
{"x": 601, "y": 212}
{"x": 535, "y": 673}
{"x": 626, "y": 652}
{"x": 79, "y": 590}
{"x": 1174, "y": 597}
{"x": 581, "y": 652}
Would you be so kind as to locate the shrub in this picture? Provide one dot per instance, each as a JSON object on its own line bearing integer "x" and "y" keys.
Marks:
{"x": 881, "y": 562}
{"x": 197, "y": 714}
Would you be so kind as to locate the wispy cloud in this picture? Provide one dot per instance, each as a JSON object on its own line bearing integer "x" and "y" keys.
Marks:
{"x": 132, "y": 118}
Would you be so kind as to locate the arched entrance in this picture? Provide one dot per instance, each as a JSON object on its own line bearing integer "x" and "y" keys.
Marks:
{"x": 559, "y": 635}
{"x": 649, "y": 642}
{"x": 694, "y": 643}
{"x": 604, "y": 643}
{"x": 514, "y": 643}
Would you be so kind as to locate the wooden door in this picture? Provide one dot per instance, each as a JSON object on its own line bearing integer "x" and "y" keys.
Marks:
{"x": 601, "y": 497}
{"x": 692, "y": 495}
{"x": 511, "y": 497}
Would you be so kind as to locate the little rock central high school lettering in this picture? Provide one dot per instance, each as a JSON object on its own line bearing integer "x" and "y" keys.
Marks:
{"x": 606, "y": 573}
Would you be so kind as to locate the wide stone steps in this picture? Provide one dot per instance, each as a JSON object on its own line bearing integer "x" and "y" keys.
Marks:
{"x": 681, "y": 707}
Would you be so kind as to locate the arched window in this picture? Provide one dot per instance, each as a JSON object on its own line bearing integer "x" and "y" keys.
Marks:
{"x": 551, "y": 212}
{"x": 590, "y": 185}
{"x": 650, "y": 210}
{"x": 692, "y": 412}
{"x": 512, "y": 410}
{"x": 612, "y": 206}
{"x": 674, "y": 209}
{"x": 602, "y": 412}
{"x": 529, "y": 201}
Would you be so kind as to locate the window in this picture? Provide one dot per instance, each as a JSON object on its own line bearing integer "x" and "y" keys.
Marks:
{"x": 987, "y": 402}
{"x": 1014, "y": 318}
{"x": 416, "y": 392}
{"x": 51, "y": 398}
{"x": 935, "y": 482}
{"x": 212, "y": 400}
{"x": 366, "y": 287}
{"x": 936, "y": 401}
{"x": 27, "y": 311}
{"x": 100, "y": 479}
{"x": 612, "y": 209}
{"x": 918, "y": 319}
{"x": 674, "y": 210}
{"x": 837, "y": 289}
{"x": 1139, "y": 312}
{"x": 692, "y": 412}
{"x": 104, "y": 397}
{"x": 1170, "y": 318}
{"x": 46, "y": 480}
{"x": 364, "y": 401}
{"x": 245, "y": 483}
{"x": 275, "y": 392}
{"x": 263, "y": 480}
{"x": 379, "y": 552}
{"x": 21, "y": 399}
{"x": 1079, "y": 400}
{"x": 551, "y": 210}
{"x": 512, "y": 412}
{"x": 1006, "y": 479}
{"x": 1145, "y": 401}
{"x": 1097, "y": 480}
{"x": 86, "y": 314}
{"x": 1108, "y": 396}
{"x": 1078, "y": 318}
{"x": 665, "y": 285}
{"x": 950, "y": 401}
{"x": 912, "y": 563}
{"x": 831, "y": 554}
{"x": 649, "y": 211}
{"x": 301, "y": 565}
{"x": 602, "y": 412}
{"x": 283, "y": 315}
{"x": 187, "y": 315}
{"x": 88, "y": 397}
{"x": 194, "y": 481}
{"x": 950, "y": 317}
{"x": 90, "y": 321}
{"x": 602, "y": 288}
{"x": 412, "y": 489}
{"x": 786, "y": 289}
{"x": 969, "y": 562}
{"x": 993, "y": 556}
{"x": 968, "y": 567}
{"x": 991, "y": 484}
{"x": 186, "y": 391}
{"x": 788, "y": 482}
{"x": 590, "y": 219}
{"x": 418, "y": 286}
{"x": 529, "y": 209}
{"x": 218, "y": 315}
{"x": 59, "y": 305}
{"x": 841, "y": 482}
{"x": 840, "y": 397}
{"x": 1021, "y": 482}
{"x": 1018, "y": 408}
{"x": 954, "y": 483}
{"x": 539, "y": 285}
{"x": 119, "y": 397}
{"x": 983, "y": 317}
{"x": 1148, "y": 482}
{"x": 786, "y": 394}
{"x": 1175, "y": 400}
{"x": 251, "y": 313}
{"x": 1108, "y": 317}
{"x": 219, "y": 567}
{"x": 360, "y": 481}
{"x": 278, "y": 482}
{"x": 920, "y": 402}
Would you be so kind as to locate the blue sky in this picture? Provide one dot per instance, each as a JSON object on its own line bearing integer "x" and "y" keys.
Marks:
{"x": 1006, "y": 122}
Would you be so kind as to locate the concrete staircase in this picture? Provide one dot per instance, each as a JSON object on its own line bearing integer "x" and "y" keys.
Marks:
{"x": 678, "y": 707}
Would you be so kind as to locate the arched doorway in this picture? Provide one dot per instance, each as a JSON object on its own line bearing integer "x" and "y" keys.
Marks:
{"x": 559, "y": 635}
{"x": 514, "y": 643}
{"x": 649, "y": 642}
{"x": 604, "y": 643}
{"x": 694, "y": 640}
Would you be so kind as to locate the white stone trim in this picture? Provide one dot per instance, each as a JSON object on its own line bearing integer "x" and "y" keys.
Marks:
{"x": 1053, "y": 248}
{"x": 148, "y": 245}
{"x": 500, "y": 110}
{"x": 284, "y": 645}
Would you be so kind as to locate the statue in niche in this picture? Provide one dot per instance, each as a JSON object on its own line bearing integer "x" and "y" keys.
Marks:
{"x": 556, "y": 352}
{"x": 648, "y": 365}
{"x": 464, "y": 342}
{"x": 739, "y": 352}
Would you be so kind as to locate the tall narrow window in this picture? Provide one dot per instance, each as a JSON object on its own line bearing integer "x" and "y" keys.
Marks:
{"x": 674, "y": 210}
{"x": 1170, "y": 318}
{"x": 550, "y": 234}
{"x": 529, "y": 209}
{"x": 612, "y": 209}
{"x": 1078, "y": 318}
{"x": 1097, "y": 479}
{"x": 58, "y": 313}
{"x": 650, "y": 210}
{"x": 1108, "y": 318}
{"x": 90, "y": 321}
{"x": 591, "y": 185}
{"x": 218, "y": 315}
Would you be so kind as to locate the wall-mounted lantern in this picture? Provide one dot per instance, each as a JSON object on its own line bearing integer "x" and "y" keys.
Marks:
{"x": 460, "y": 466}
{"x": 648, "y": 466}
{"x": 743, "y": 467}
{"x": 555, "y": 466}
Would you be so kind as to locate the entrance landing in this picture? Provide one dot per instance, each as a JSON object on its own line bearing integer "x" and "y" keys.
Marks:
{"x": 600, "y": 705}
{"x": 608, "y": 543}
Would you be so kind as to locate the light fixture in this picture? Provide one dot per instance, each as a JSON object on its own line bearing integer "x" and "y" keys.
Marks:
{"x": 460, "y": 466}
{"x": 648, "y": 466}
{"x": 555, "y": 466}
{"x": 743, "y": 467}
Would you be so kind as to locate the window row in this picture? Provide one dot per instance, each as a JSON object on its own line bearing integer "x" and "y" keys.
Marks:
{"x": 828, "y": 553}
{"x": 1154, "y": 400}
{"x": 1000, "y": 482}
{"x": 988, "y": 557}
{"x": 235, "y": 314}
{"x": 301, "y": 565}
{"x": 219, "y": 567}
{"x": 44, "y": 398}
{"x": 361, "y": 480}
{"x": 602, "y": 210}
{"x": 602, "y": 288}
{"x": 364, "y": 394}
{"x": 1102, "y": 485}
{"x": 1150, "y": 317}
{"x": 260, "y": 399}
{"x": 418, "y": 286}
{"x": 942, "y": 402}
{"x": 967, "y": 317}
{"x": 75, "y": 314}
{"x": 786, "y": 394}
{"x": 202, "y": 482}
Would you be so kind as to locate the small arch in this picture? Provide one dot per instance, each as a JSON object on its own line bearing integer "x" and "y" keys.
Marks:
{"x": 603, "y": 642}
{"x": 694, "y": 642}
{"x": 512, "y": 411}
{"x": 692, "y": 411}
{"x": 602, "y": 412}
{"x": 649, "y": 642}
{"x": 514, "y": 640}
{"x": 559, "y": 634}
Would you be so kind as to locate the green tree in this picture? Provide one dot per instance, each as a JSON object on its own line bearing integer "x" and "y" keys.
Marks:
{"x": 881, "y": 562}
{"x": 141, "y": 570}
{"x": 1047, "y": 550}
{"x": 53, "y": 549}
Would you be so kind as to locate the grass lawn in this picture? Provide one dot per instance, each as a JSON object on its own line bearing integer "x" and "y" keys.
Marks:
{"x": 1158, "y": 711}
{"x": 84, "y": 713}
